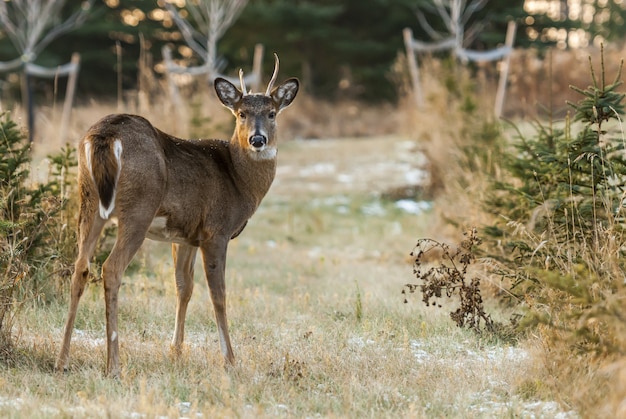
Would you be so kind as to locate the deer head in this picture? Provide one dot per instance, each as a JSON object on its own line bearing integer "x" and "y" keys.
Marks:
{"x": 255, "y": 113}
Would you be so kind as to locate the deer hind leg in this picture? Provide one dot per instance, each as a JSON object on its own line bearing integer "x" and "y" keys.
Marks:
{"x": 90, "y": 228}
{"x": 130, "y": 236}
{"x": 214, "y": 259}
{"x": 184, "y": 259}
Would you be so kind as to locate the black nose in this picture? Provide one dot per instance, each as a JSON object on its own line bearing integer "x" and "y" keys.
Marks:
{"x": 258, "y": 141}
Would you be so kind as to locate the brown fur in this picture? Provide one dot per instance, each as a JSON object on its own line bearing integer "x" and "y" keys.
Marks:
{"x": 104, "y": 167}
{"x": 197, "y": 194}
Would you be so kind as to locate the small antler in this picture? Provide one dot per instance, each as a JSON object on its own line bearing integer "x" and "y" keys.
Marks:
{"x": 243, "y": 83}
{"x": 274, "y": 75}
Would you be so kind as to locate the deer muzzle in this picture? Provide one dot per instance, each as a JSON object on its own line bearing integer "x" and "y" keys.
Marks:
{"x": 258, "y": 141}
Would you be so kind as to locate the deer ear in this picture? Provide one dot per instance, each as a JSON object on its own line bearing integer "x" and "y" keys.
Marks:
{"x": 284, "y": 94}
{"x": 227, "y": 93}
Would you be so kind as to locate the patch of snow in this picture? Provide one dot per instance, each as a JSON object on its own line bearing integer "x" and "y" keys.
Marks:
{"x": 515, "y": 407}
{"x": 11, "y": 403}
{"x": 345, "y": 178}
{"x": 330, "y": 201}
{"x": 87, "y": 339}
{"x": 318, "y": 169}
{"x": 503, "y": 357}
{"x": 359, "y": 342}
{"x": 506, "y": 353}
{"x": 184, "y": 407}
{"x": 374, "y": 208}
{"x": 416, "y": 176}
{"x": 315, "y": 252}
{"x": 413, "y": 207}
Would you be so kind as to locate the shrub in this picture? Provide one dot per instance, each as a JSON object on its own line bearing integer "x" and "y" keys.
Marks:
{"x": 560, "y": 230}
{"x": 36, "y": 243}
{"x": 449, "y": 277}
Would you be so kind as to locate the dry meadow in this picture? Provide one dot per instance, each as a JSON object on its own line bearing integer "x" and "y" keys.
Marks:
{"x": 314, "y": 285}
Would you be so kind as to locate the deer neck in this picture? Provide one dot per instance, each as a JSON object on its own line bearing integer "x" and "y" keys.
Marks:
{"x": 254, "y": 171}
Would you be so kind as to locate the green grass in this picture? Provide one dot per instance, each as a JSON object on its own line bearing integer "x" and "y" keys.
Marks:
{"x": 316, "y": 315}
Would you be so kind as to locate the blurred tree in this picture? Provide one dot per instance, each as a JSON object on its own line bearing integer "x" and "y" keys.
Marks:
{"x": 575, "y": 23}
{"x": 202, "y": 24}
{"x": 110, "y": 23}
{"x": 300, "y": 31}
{"x": 340, "y": 49}
{"x": 606, "y": 22}
{"x": 345, "y": 49}
{"x": 30, "y": 26}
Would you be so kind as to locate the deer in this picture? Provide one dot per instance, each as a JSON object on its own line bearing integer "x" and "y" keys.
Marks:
{"x": 195, "y": 194}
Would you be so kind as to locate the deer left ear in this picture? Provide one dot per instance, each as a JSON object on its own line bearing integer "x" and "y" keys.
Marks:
{"x": 284, "y": 94}
{"x": 227, "y": 93}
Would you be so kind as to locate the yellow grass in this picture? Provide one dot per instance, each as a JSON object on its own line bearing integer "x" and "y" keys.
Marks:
{"x": 316, "y": 315}
{"x": 322, "y": 245}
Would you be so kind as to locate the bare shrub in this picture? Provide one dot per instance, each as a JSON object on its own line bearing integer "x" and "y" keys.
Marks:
{"x": 449, "y": 277}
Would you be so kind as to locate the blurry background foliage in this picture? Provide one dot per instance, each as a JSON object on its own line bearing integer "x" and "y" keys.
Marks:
{"x": 340, "y": 49}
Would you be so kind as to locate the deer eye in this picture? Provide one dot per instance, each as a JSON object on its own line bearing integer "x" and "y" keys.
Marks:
{"x": 242, "y": 115}
{"x": 272, "y": 115}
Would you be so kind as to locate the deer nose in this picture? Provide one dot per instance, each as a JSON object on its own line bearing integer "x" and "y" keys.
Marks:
{"x": 258, "y": 141}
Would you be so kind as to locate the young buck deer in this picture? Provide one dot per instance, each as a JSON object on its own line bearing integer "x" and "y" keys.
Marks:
{"x": 192, "y": 193}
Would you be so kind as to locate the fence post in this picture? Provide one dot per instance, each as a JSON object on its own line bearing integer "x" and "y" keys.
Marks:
{"x": 413, "y": 67}
{"x": 504, "y": 71}
{"x": 69, "y": 95}
{"x": 257, "y": 67}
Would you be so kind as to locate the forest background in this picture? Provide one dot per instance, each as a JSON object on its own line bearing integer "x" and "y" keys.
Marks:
{"x": 339, "y": 49}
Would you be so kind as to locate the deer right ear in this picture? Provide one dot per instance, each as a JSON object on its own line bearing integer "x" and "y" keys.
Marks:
{"x": 227, "y": 93}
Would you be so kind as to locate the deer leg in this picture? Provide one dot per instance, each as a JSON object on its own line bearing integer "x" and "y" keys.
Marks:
{"x": 184, "y": 259}
{"x": 130, "y": 236}
{"x": 90, "y": 228}
{"x": 214, "y": 259}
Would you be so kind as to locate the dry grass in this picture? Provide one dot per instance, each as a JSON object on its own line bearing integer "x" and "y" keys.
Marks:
{"x": 314, "y": 286}
{"x": 322, "y": 248}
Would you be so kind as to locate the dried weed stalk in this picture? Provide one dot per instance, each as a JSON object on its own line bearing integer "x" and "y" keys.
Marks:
{"x": 449, "y": 276}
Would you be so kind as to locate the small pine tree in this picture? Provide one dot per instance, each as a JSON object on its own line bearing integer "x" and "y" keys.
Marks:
{"x": 34, "y": 237}
{"x": 561, "y": 197}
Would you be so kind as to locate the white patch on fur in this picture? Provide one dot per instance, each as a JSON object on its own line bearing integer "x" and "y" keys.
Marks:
{"x": 267, "y": 153}
{"x": 113, "y": 336}
{"x": 88, "y": 157}
{"x": 105, "y": 213}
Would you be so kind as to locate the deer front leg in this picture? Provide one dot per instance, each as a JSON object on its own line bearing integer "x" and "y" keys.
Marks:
{"x": 184, "y": 259}
{"x": 214, "y": 259}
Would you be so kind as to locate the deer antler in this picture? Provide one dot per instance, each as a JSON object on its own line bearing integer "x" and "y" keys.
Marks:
{"x": 243, "y": 83}
{"x": 274, "y": 75}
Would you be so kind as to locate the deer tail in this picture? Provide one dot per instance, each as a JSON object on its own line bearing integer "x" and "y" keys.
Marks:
{"x": 104, "y": 162}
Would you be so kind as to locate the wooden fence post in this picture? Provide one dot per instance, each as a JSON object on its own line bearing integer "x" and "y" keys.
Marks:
{"x": 257, "y": 64}
{"x": 413, "y": 67}
{"x": 504, "y": 71}
{"x": 70, "y": 91}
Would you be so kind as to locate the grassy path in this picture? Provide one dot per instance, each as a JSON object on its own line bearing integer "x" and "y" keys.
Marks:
{"x": 317, "y": 318}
